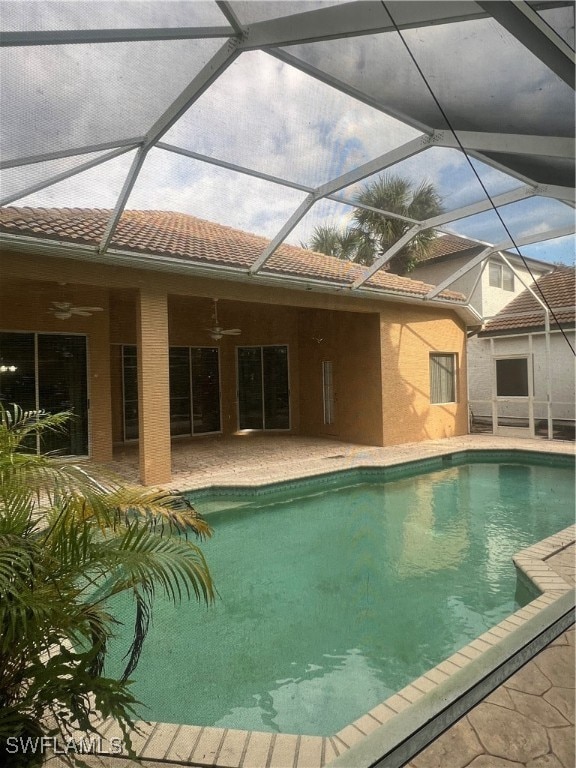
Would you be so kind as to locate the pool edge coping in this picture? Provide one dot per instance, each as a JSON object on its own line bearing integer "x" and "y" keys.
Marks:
{"x": 310, "y": 473}
{"x": 234, "y": 748}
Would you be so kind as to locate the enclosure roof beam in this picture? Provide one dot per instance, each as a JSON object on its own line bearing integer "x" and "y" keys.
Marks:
{"x": 565, "y": 194}
{"x": 409, "y": 149}
{"x": 122, "y": 199}
{"x": 64, "y": 175}
{"x": 353, "y": 19}
{"x": 521, "y": 279}
{"x": 482, "y": 256}
{"x": 343, "y": 87}
{"x": 539, "y": 237}
{"x": 330, "y": 187}
{"x": 221, "y": 60}
{"x": 234, "y": 167}
{"x": 337, "y": 21}
{"x": 230, "y": 15}
{"x": 298, "y": 214}
{"x": 490, "y": 249}
{"x": 209, "y": 73}
{"x": 524, "y": 23}
{"x": 385, "y": 257}
{"x": 505, "y": 198}
{"x": 58, "y": 154}
{"x": 509, "y": 143}
{"x": 123, "y": 35}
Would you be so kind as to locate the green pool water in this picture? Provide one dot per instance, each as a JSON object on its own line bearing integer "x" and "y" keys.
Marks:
{"x": 332, "y": 598}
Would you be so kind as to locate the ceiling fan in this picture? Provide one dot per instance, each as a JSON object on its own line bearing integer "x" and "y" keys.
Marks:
{"x": 217, "y": 331}
{"x": 64, "y": 310}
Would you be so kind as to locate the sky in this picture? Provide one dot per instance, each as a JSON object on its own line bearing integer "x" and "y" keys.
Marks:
{"x": 260, "y": 113}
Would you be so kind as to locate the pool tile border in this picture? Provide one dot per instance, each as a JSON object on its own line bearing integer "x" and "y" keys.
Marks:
{"x": 230, "y": 748}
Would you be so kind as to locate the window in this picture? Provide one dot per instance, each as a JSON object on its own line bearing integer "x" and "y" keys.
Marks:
{"x": 500, "y": 276}
{"x": 442, "y": 378}
{"x": 328, "y": 391}
{"x": 512, "y": 377}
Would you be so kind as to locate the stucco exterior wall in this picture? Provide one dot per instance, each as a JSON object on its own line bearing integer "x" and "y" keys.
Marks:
{"x": 351, "y": 341}
{"x": 380, "y": 349}
{"x": 435, "y": 272}
{"x": 408, "y": 336}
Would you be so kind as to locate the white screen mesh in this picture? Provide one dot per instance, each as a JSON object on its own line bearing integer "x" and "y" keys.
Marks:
{"x": 267, "y": 116}
{"x": 74, "y": 96}
{"x": 107, "y": 14}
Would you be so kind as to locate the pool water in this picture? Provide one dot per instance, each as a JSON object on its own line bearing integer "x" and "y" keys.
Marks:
{"x": 330, "y": 602}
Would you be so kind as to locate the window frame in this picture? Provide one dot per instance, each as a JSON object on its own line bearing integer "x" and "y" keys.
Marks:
{"x": 503, "y": 270}
{"x": 454, "y": 378}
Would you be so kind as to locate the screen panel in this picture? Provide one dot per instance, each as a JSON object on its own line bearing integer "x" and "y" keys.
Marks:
{"x": 75, "y": 96}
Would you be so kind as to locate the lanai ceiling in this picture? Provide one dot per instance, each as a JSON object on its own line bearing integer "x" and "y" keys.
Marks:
{"x": 269, "y": 116}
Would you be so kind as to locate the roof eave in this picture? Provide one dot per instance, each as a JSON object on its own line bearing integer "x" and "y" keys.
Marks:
{"x": 117, "y": 257}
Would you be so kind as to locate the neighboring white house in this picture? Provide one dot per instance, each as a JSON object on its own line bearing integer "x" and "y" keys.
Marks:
{"x": 519, "y": 379}
{"x": 490, "y": 285}
{"x": 521, "y": 376}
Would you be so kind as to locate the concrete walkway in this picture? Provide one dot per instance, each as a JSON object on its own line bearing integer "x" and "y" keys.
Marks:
{"x": 528, "y": 722}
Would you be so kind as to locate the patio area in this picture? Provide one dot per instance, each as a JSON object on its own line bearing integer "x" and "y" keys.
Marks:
{"x": 256, "y": 459}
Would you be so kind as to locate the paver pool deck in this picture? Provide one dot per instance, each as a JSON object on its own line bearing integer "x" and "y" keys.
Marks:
{"x": 528, "y": 722}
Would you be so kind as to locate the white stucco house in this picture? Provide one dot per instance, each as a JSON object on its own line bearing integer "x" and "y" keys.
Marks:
{"x": 521, "y": 364}
{"x": 490, "y": 285}
{"x": 521, "y": 374}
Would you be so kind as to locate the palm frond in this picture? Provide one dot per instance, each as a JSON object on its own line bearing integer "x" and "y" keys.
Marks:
{"x": 70, "y": 541}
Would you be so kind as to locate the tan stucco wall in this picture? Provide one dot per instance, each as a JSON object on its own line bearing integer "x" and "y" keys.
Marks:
{"x": 352, "y": 342}
{"x": 408, "y": 335}
{"x": 380, "y": 349}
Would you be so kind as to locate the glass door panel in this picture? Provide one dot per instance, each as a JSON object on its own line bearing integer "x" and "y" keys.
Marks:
{"x": 62, "y": 386}
{"x": 276, "y": 391}
{"x": 205, "y": 390}
{"x": 250, "y": 390}
{"x": 180, "y": 415}
{"x": 17, "y": 370}
{"x": 18, "y": 374}
{"x": 263, "y": 390}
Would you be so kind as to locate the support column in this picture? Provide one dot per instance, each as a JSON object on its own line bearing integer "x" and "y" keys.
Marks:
{"x": 153, "y": 387}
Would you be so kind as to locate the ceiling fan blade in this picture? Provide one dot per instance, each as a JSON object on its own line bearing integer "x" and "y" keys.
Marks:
{"x": 232, "y": 332}
{"x": 90, "y": 309}
{"x": 80, "y": 311}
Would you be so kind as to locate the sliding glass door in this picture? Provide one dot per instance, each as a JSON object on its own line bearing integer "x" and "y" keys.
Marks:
{"x": 47, "y": 372}
{"x": 263, "y": 388}
{"x": 194, "y": 391}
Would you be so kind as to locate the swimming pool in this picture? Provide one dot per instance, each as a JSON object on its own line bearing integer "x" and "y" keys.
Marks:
{"x": 337, "y": 591}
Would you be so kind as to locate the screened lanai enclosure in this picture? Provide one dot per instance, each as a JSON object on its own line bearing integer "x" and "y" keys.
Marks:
{"x": 269, "y": 119}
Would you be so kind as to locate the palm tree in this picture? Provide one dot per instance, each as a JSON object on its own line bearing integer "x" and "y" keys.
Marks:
{"x": 371, "y": 234}
{"x": 68, "y": 543}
